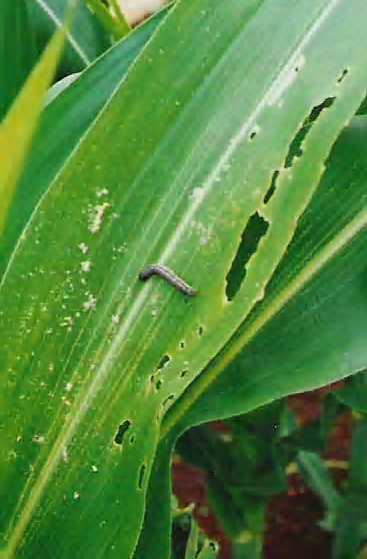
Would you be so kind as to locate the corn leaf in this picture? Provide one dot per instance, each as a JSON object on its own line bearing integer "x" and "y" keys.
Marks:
{"x": 17, "y": 41}
{"x": 18, "y": 127}
{"x": 310, "y": 326}
{"x": 63, "y": 124}
{"x": 316, "y": 338}
{"x": 174, "y": 171}
{"x": 85, "y": 38}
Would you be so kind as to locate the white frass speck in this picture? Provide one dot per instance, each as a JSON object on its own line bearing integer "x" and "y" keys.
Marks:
{"x": 90, "y": 303}
{"x": 86, "y": 266}
{"x": 115, "y": 319}
{"x": 96, "y": 217}
{"x": 83, "y": 247}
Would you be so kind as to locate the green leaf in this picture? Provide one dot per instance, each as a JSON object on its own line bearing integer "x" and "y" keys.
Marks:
{"x": 63, "y": 124}
{"x": 265, "y": 371}
{"x": 17, "y": 50}
{"x": 171, "y": 172}
{"x": 85, "y": 39}
{"x": 114, "y": 24}
{"x": 247, "y": 550}
{"x": 309, "y": 329}
{"x": 18, "y": 127}
{"x": 354, "y": 393}
{"x": 242, "y": 468}
{"x": 60, "y": 86}
{"x": 196, "y": 549}
{"x": 318, "y": 478}
{"x": 155, "y": 539}
{"x": 351, "y": 525}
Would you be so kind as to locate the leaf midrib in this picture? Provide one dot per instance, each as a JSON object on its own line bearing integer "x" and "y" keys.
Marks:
{"x": 59, "y": 24}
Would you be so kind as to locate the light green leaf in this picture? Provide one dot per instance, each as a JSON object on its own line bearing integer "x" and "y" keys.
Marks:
{"x": 17, "y": 50}
{"x": 63, "y": 124}
{"x": 309, "y": 330}
{"x": 60, "y": 86}
{"x": 114, "y": 23}
{"x": 18, "y": 127}
{"x": 196, "y": 549}
{"x": 291, "y": 353}
{"x": 171, "y": 172}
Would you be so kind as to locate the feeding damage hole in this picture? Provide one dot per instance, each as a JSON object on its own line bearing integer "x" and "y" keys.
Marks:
{"x": 342, "y": 76}
{"x": 123, "y": 428}
{"x": 255, "y": 229}
{"x": 142, "y": 471}
{"x": 272, "y": 187}
{"x": 296, "y": 146}
{"x": 295, "y": 149}
{"x": 168, "y": 400}
{"x": 163, "y": 362}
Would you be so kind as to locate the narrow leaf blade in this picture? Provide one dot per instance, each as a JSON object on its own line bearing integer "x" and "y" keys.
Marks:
{"x": 18, "y": 127}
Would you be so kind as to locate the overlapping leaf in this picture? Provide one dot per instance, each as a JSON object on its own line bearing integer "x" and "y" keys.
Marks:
{"x": 316, "y": 337}
{"x": 172, "y": 172}
{"x": 310, "y": 328}
{"x": 63, "y": 124}
{"x": 85, "y": 40}
{"x": 17, "y": 43}
{"x": 19, "y": 125}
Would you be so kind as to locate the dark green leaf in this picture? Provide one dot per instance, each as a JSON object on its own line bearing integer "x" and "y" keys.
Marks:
{"x": 17, "y": 50}
{"x": 354, "y": 393}
{"x": 85, "y": 40}
{"x": 351, "y": 526}
{"x": 318, "y": 478}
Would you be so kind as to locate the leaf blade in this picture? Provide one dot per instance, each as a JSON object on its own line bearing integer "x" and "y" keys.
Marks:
{"x": 112, "y": 356}
{"x": 17, "y": 42}
{"x": 340, "y": 227}
{"x": 18, "y": 127}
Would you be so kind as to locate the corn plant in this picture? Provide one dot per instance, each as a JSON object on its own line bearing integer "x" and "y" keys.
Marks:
{"x": 216, "y": 146}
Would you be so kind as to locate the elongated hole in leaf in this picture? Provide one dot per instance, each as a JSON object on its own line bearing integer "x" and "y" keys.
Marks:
{"x": 158, "y": 384}
{"x": 169, "y": 399}
{"x": 342, "y": 76}
{"x": 182, "y": 344}
{"x": 295, "y": 148}
{"x": 255, "y": 229}
{"x": 183, "y": 373}
{"x": 200, "y": 330}
{"x": 123, "y": 428}
{"x": 163, "y": 362}
{"x": 272, "y": 187}
{"x": 142, "y": 471}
